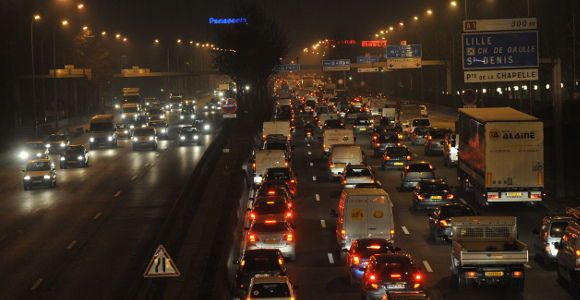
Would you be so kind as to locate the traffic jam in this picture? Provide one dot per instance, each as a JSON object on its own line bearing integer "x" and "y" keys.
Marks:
{"x": 374, "y": 199}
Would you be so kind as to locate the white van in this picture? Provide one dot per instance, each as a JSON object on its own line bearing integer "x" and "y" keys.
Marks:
{"x": 364, "y": 213}
{"x": 265, "y": 159}
{"x": 276, "y": 127}
{"x": 342, "y": 155}
{"x": 332, "y": 137}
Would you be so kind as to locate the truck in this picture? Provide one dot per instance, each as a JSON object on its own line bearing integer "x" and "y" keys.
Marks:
{"x": 132, "y": 95}
{"x": 485, "y": 251}
{"x": 129, "y": 112}
{"x": 308, "y": 83}
{"x": 102, "y": 131}
{"x": 501, "y": 155}
{"x": 265, "y": 159}
{"x": 332, "y": 137}
{"x": 278, "y": 128}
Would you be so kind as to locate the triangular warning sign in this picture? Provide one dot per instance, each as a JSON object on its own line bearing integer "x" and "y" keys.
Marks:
{"x": 161, "y": 265}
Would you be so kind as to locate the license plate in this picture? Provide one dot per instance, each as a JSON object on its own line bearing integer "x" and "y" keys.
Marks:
{"x": 363, "y": 129}
{"x": 493, "y": 274}
{"x": 436, "y": 197}
{"x": 514, "y": 194}
{"x": 396, "y": 286}
{"x": 271, "y": 241}
{"x": 398, "y": 164}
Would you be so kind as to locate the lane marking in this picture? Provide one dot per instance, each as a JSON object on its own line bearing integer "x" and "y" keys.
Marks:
{"x": 405, "y": 230}
{"x": 463, "y": 201}
{"x": 134, "y": 177}
{"x": 98, "y": 215}
{"x": 379, "y": 182}
{"x": 309, "y": 153}
{"x": 330, "y": 258}
{"x": 527, "y": 265}
{"x": 308, "y": 145}
{"x": 311, "y": 164}
{"x": 317, "y": 197}
{"x": 71, "y": 245}
{"x": 118, "y": 193}
{"x": 427, "y": 266}
{"x": 36, "y": 284}
{"x": 322, "y": 223}
{"x": 313, "y": 178}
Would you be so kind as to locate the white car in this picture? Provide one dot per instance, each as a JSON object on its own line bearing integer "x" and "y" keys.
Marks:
{"x": 271, "y": 287}
{"x": 272, "y": 234}
{"x": 354, "y": 174}
{"x": 39, "y": 172}
{"x": 33, "y": 150}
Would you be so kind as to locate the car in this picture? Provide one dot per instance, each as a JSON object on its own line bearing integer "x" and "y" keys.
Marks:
{"x": 155, "y": 114}
{"x": 187, "y": 114}
{"x": 431, "y": 193}
{"x": 39, "y": 172}
{"x": 333, "y": 124}
{"x": 33, "y": 150}
{"x": 144, "y": 137}
{"x": 203, "y": 126}
{"x": 419, "y": 135}
{"x": 354, "y": 174}
{"x": 359, "y": 253}
{"x": 56, "y": 143}
{"x": 423, "y": 110}
{"x": 285, "y": 175}
{"x": 362, "y": 125}
{"x": 274, "y": 188}
{"x": 188, "y": 135}
{"x": 435, "y": 140}
{"x": 390, "y": 272}
{"x": 396, "y": 157}
{"x": 277, "y": 207}
{"x": 271, "y": 288}
{"x": 123, "y": 130}
{"x": 310, "y": 105}
{"x": 440, "y": 219}
{"x": 74, "y": 155}
{"x": 415, "y": 172}
{"x": 161, "y": 128}
{"x": 261, "y": 262}
{"x": 383, "y": 141}
{"x": 417, "y": 122}
{"x": 550, "y": 232}
{"x": 272, "y": 234}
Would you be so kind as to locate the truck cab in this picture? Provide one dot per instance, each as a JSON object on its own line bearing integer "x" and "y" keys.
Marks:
{"x": 102, "y": 131}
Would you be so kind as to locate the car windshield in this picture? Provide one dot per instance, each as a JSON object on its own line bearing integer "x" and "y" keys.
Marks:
{"x": 56, "y": 137}
{"x": 438, "y": 134}
{"x": 155, "y": 111}
{"x": 421, "y": 122}
{"x": 278, "y": 174}
{"x": 36, "y": 146}
{"x": 38, "y": 166}
{"x": 419, "y": 168}
{"x": 389, "y": 138}
{"x": 188, "y": 130}
{"x": 358, "y": 172}
{"x": 144, "y": 131}
{"x": 270, "y": 290}
{"x": 130, "y": 109}
{"x": 397, "y": 151}
{"x": 261, "y": 263}
{"x": 270, "y": 207}
{"x": 102, "y": 127}
{"x": 557, "y": 229}
{"x": 427, "y": 186}
{"x": 272, "y": 226}
{"x": 450, "y": 211}
{"x": 275, "y": 146}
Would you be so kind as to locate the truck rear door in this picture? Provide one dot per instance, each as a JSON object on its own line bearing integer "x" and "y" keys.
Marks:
{"x": 379, "y": 217}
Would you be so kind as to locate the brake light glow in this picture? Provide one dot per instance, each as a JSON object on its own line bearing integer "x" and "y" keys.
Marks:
{"x": 492, "y": 196}
{"x": 280, "y": 261}
{"x": 252, "y": 238}
{"x": 395, "y": 276}
{"x": 289, "y": 237}
{"x": 387, "y": 157}
{"x": 517, "y": 274}
{"x": 450, "y": 196}
{"x": 272, "y": 192}
{"x": 443, "y": 223}
{"x": 470, "y": 274}
{"x": 377, "y": 144}
{"x": 534, "y": 195}
{"x": 418, "y": 277}
{"x": 270, "y": 222}
{"x": 374, "y": 247}
{"x": 289, "y": 214}
{"x": 292, "y": 181}
{"x": 408, "y": 157}
{"x": 254, "y": 166}
{"x": 392, "y": 232}
{"x": 343, "y": 233}
{"x": 577, "y": 253}
{"x": 355, "y": 260}
{"x": 253, "y": 216}
{"x": 372, "y": 277}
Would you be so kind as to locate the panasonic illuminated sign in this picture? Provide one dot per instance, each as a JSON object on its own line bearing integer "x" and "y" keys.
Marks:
{"x": 228, "y": 20}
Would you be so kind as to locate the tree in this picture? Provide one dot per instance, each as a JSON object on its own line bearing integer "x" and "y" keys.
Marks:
{"x": 257, "y": 47}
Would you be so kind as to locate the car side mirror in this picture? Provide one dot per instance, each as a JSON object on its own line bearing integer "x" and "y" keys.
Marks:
{"x": 535, "y": 231}
{"x": 333, "y": 213}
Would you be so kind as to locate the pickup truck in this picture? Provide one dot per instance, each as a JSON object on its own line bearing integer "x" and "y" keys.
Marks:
{"x": 485, "y": 251}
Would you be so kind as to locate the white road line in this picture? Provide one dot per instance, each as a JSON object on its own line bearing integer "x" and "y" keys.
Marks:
{"x": 463, "y": 201}
{"x": 311, "y": 164}
{"x": 330, "y": 258}
{"x": 134, "y": 177}
{"x": 308, "y": 145}
{"x": 322, "y": 223}
{"x": 427, "y": 266}
{"x": 98, "y": 215}
{"x": 118, "y": 193}
{"x": 36, "y": 284}
{"x": 309, "y": 153}
{"x": 528, "y": 266}
{"x": 405, "y": 230}
{"x": 71, "y": 245}
{"x": 313, "y": 178}
{"x": 379, "y": 182}
{"x": 317, "y": 197}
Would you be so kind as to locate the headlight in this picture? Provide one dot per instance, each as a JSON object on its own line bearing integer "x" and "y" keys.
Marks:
{"x": 151, "y": 138}
{"x": 135, "y": 139}
{"x": 117, "y": 106}
{"x": 196, "y": 137}
{"x": 182, "y": 138}
{"x": 38, "y": 154}
{"x": 258, "y": 179}
{"x": 62, "y": 145}
{"x": 46, "y": 176}
{"x": 163, "y": 130}
{"x": 126, "y": 132}
{"x": 192, "y": 116}
{"x": 110, "y": 138}
{"x": 181, "y": 117}
{"x": 62, "y": 158}
{"x": 143, "y": 125}
{"x": 205, "y": 107}
{"x": 162, "y": 117}
{"x": 47, "y": 145}
{"x": 123, "y": 116}
{"x": 206, "y": 127}
{"x": 80, "y": 157}
{"x": 91, "y": 139}
{"x": 23, "y": 155}
{"x": 132, "y": 126}
{"x": 26, "y": 177}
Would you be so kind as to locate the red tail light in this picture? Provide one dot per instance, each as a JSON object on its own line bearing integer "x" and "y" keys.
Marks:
{"x": 372, "y": 277}
{"x": 254, "y": 166}
{"x": 387, "y": 157}
{"x": 252, "y": 238}
{"x": 355, "y": 260}
{"x": 289, "y": 214}
{"x": 418, "y": 277}
{"x": 292, "y": 181}
{"x": 443, "y": 223}
{"x": 272, "y": 192}
{"x": 395, "y": 276}
{"x": 288, "y": 237}
{"x": 409, "y": 157}
{"x": 492, "y": 196}
{"x": 450, "y": 196}
{"x": 253, "y": 216}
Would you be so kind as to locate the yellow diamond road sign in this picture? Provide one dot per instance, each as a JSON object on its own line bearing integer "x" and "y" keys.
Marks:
{"x": 161, "y": 265}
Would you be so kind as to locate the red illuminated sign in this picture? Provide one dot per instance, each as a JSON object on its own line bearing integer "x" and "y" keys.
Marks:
{"x": 376, "y": 44}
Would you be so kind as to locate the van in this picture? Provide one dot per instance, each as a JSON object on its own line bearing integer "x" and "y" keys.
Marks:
{"x": 265, "y": 159}
{"x": 341, "y": 156}
{"x": 568, "y": 257}
{"x": 550, "y": 232}
{"x": 364, "y": 213}
{"x": 333, "y": 137}
{"x": 276, "y": 127}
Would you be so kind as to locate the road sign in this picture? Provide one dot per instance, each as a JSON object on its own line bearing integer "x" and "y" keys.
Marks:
{"x": 404, "y": 63}
{"x": 368, "y": 70}
{"x": 404, "y": 51}
{"x": 336, "y": 65}
{"x": 375, "y": 44}
{"x": 161, "y": 265}
{"x": 500, "y": 24}
{"x": 367, "y": 59}
{"x": 500, "y": 50}
{"x": 500, "y": 75}
{"x": 286, "y": 68}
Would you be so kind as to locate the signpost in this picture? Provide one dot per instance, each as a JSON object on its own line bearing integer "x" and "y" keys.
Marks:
{"x": 161, "y": 265}
{"x": 286, "y": 68}
{"x": 404, "y": 56}
{"x": 507, "y": 75}
{"x": 336, "y": 65}
{"x": 500, "y": 24}
{"x": 368, "y": 70}
{"x": 500, "y": 50}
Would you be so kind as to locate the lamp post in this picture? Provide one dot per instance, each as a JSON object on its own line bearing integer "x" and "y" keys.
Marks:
{"x": 35, "y": 18}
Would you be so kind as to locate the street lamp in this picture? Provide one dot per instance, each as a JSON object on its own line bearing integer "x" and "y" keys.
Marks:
{"x": 85, "y": 28}
{"x": 64, "y": 22}
{"x": 429, "y": 12}
{"x": 80, "y": 6}
{"x": 453, "y": 3}
{"x": 124, "y": 40}
{"x": 35, "y": 18}
{"x": 118, "y": 36}
{"x": 103, "y": 33}
{"x": 156, "y": 41}
{"x": 401, "y": 24}
{"x": 391, "y": 28}
{"x": 179, "y": 41}
{"x": 415, "y": 18}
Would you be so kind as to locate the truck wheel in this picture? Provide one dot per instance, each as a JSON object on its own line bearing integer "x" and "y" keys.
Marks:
{"x": 517, "y": 285}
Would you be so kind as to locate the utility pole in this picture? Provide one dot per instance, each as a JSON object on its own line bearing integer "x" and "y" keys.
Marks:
{"x": 54, "y": 77}
{"x": 558, "y": 135}
{"x": 34, "y": 109}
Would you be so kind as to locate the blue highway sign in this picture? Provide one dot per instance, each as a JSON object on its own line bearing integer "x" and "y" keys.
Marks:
{"x": 500, "y": 50}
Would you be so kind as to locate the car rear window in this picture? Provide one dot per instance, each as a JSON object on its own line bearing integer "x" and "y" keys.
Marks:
{"x": 311, "y": 103}
{"x": 358, "y": 172}
{"x": 270, "y": 207}
{"x": 333, "y": 123}
{"x": 438, "y": 134}
{"x": 456, "y": 211}
{"x": 362, "y": 121}
{"x": 270, "y": 290}
{"x": 261, "y": 263}
{"x": 557, "y": 229}
{"x": 38, "y": 166}
{"x": 421, "y": 130}
{"x": 275, "y": 146}
{"x": 421, "y": 122}
{"x": 419, "y": 168}
{"x": 397, "y": 151}
{"x": 270, "y": 227}
{"x": 433, "y": 186}
{"x": 278, "y": 174}
{"x": 389, "y": 138}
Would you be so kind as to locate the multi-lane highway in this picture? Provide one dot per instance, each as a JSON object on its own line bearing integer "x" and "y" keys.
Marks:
{"x": 320, "y": 273}
{"x": 90, "y": 236}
